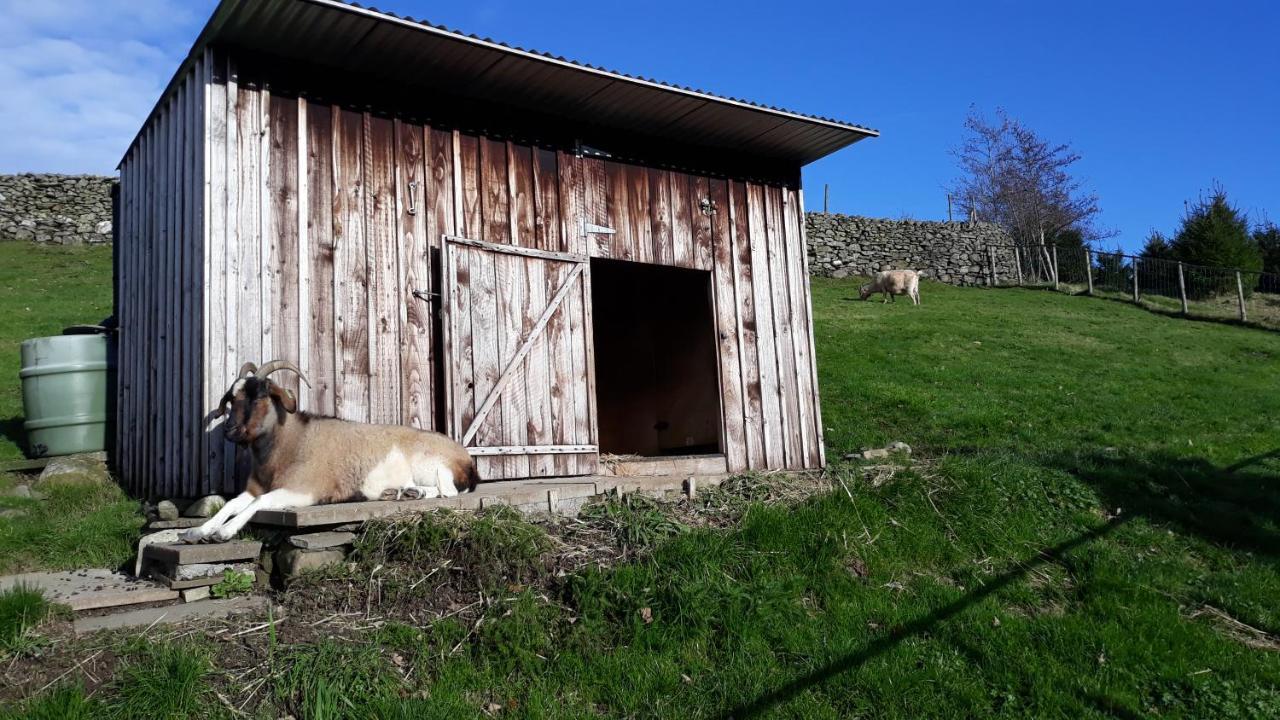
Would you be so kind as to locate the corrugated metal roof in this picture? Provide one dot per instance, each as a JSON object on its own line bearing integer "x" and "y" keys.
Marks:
{"x": 397, "y": 49}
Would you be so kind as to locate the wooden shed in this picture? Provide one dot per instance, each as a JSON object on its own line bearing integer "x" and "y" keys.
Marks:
{"x": 548, "y": 261}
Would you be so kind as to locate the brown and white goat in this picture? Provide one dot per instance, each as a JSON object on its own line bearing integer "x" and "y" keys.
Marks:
{"x": 892, "y": 283}
{"x": 299, "y": 459}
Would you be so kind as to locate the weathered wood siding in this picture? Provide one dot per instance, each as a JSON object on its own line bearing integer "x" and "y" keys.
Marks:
{"x": 749, "y": 236}
{"x": 161, "y": 304}
{"x": 259, "y": 224}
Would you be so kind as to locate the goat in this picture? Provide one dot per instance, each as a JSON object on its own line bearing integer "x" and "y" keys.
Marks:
{"x": 891, "y": 283}
{"x": 299, "y": 459}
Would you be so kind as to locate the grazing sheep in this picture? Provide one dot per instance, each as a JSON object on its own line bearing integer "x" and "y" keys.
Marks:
{"x": 299, "y": 459}
{"x": 891, "y": 283}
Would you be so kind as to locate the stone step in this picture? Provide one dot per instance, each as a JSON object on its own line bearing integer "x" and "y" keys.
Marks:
{"x": 183, "y": 554}
{"x": 169, "y": 614}
{"x": 321, "y": 540}
{"x": 183, "y": 577}
{"x": 91, "y": 589}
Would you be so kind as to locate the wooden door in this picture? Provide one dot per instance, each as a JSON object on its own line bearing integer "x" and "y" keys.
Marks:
{"x": 518, "y": 375}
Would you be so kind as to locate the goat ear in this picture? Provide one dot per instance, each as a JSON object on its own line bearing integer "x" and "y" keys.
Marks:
{"x": 222, "y": 405}
{"x": 284, "y": 397}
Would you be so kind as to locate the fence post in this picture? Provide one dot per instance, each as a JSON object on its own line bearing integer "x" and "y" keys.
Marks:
{"x": 1017, "y": 262}
{"x": 1244, "y": 316}
{"x": 1088, "y": 268}
{"x": 1055, "y": 267}
{"x": 991, "y": 258}
{"x": 1182, "y": 289}
{"x": 1135, "y": 280}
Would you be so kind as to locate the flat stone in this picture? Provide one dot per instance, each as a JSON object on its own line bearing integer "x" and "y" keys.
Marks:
{"x": 180, "y": 523}
{"x": 167, "y": 510}
{"x": 190, "y": 576}
{"x": 295, "y": 561}
{"x": 198, "y": 610}
{"x": 162, "y": 537}
{"x": 205, "y": 507}
{"x": 321, "y": 540}
{"x": 81, "y": 468}
{"x": 89, "y": 589}
{"x": 196, "y": 593}
{"x": 183, "y": 554}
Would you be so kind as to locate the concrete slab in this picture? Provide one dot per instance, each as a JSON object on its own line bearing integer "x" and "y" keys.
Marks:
{"x": 200, "y": 609}
{"x": 90, "y": 589}
{"x": 183, "y": 554}
{"x": 190, "y": 576}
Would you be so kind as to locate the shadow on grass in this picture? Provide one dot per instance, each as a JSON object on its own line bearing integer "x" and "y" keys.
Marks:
{"x": 916, "y": 627}
{"x": 11, "y": 431}
{"x": 1237, "y": 506}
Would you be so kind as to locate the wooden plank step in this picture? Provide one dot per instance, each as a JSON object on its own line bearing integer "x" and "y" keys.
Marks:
{"x": 321, "y": 540}
{"x": 685, "y": 465}
{"x": 91, "y": 589}
{"x": 183, "y": 554}
{"x": 542, "y": 494}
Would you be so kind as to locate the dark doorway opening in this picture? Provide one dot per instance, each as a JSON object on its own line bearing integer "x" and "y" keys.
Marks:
{"x": 657, "y": 388}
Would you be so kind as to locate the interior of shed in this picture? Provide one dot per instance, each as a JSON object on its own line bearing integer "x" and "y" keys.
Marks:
{"x": 657, "y": 388}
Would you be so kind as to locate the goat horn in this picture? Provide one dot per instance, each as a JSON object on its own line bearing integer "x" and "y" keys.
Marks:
{"x": 246, "y": 370}
{"x": 278, "y": 365}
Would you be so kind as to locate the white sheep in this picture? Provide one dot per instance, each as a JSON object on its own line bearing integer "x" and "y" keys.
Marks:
{"x": 891, "y": 283}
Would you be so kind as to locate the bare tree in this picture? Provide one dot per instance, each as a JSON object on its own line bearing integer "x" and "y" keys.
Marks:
{"x": 1014, "y": 177}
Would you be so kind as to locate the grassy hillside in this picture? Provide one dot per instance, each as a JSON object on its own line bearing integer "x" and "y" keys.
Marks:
{"x": 1088, "y": 528}
{"x": 42, "y": 291}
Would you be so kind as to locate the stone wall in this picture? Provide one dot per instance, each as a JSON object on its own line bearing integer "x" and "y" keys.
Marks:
{"x": 951, "y": 252}
{"x": 62, "y": 209}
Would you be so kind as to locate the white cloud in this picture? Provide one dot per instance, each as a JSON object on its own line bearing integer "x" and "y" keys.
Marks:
{"x": 79, "y": 77}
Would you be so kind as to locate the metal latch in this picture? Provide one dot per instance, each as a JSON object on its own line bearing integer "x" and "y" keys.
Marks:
{"x": 426, "y": 295}
{"x": 592, "y": 228}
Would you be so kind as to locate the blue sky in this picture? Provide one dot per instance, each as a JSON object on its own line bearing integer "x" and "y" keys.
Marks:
{"x": 1160, "y": 98}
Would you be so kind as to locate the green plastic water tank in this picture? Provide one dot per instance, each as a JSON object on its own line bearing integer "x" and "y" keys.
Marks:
{"x": 64, "y": 394}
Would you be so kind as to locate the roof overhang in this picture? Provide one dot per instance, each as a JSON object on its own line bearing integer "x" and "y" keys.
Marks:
{"x": 403, "y": 52}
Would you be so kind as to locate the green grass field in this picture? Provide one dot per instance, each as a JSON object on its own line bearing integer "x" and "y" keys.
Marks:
{"x": 1089, "y": 527}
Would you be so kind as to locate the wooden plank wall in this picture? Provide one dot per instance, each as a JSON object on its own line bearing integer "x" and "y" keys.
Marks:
{"x": 319, "y": 222}
{"x": 749, "y": 237}
{"x": 321, "y": 226}
{"x": 161, "y": 307}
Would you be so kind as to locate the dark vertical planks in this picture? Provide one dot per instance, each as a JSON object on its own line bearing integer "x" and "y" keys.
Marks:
{"x": 616, "y": 190}
{"x": 282, "y": 199}
{"x": 523, "y": 201}
{"x": 382, "y": 250}
{"x": 415, "y": 314}
{"x": 495, "y": 191}
{"x": 748, "y": 337}
{"x": 658, "y": 249}
{"x": 546, "y": 188}
{"x": 351, "y": 269}
{"x": 703, "y": 243}
{"x": 319, "y": 253}
{"x": 724, "y": 286}
{"x": 681, "y": 240}
{"x": 470, "y": 207}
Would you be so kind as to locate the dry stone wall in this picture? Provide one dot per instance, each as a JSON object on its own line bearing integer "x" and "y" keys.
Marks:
{"x": 61, "y": 209}
{"x": 950, "y": 252}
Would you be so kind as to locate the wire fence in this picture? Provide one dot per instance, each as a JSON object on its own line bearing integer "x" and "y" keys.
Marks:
{"x": 1168, "y": 286}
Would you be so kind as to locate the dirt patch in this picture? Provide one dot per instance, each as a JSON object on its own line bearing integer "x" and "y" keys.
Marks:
{"x": 1236, "y": 630}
